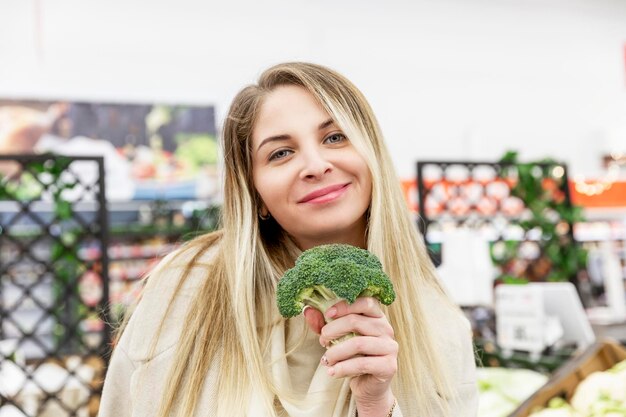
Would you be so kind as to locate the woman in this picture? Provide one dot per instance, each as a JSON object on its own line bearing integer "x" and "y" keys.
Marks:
{"x": 305, "y": 165}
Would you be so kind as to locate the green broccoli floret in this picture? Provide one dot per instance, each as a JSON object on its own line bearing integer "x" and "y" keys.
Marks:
{"x": 327, "y": 274}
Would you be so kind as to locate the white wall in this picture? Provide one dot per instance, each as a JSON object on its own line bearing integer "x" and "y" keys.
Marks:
{"x": 448, "y": 79}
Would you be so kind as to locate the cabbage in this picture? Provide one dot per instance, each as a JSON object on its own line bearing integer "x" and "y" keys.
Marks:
{"x": 493, "y": 404}
{"x": 606, "y": 407}
{"x": 503, "y": 390}
{"x": 600, "y": 394}
{"x": 557, "y": 407}
{"x": 601, "y": 388}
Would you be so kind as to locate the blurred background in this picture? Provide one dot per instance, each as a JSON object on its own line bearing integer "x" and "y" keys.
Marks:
{"x": 506, "y": 122}
{"x": 451, "y": 79}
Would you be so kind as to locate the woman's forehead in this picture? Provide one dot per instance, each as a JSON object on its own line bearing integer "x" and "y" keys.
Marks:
{"x": 287, "y": 109}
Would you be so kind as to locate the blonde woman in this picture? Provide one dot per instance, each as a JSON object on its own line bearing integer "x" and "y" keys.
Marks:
{"x": 305, "y": 165}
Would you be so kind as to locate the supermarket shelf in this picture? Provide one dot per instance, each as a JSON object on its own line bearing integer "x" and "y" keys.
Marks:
{"x": 605, "y": 213}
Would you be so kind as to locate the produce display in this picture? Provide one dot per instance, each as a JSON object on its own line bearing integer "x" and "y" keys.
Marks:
{"x": 502, "y": 390}
{"x": 600, "y": 394}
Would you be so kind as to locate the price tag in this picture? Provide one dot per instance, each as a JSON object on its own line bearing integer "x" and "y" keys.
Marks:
{"x": 520, "y": 318}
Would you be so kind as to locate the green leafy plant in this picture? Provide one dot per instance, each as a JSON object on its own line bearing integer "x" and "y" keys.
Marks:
{"x": 542, "y": 186}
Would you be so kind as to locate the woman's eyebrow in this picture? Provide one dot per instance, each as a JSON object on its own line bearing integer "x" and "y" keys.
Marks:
{"x": 326, "y": 124}
{"x": 322, "y": 126}
{"x": 273, "y": 139}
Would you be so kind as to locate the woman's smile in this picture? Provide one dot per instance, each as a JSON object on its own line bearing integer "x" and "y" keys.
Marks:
{"x": 325, "y": 195}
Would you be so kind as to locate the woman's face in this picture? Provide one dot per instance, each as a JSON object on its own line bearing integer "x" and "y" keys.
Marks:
{"x": 309, "y": 176}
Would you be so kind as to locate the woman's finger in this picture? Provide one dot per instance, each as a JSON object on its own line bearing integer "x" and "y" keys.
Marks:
{"x": 355, "y": 323}
{"x": 382, "y": 368}
{"x": 359, "y": 345}
{"x": 314, "y": 318}
{"x": 367, "y": 306}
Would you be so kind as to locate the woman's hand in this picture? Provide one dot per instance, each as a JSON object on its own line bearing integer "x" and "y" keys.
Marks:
{"x": 371, "y": 358}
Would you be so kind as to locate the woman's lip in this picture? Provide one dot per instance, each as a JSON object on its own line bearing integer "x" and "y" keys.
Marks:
{"x": 325, "y": 194}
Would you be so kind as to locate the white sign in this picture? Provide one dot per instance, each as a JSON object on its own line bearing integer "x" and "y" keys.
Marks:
{"x": 520, "y": 318}
{"x": 466, "y": 270}
{"x": 534, "y": 316}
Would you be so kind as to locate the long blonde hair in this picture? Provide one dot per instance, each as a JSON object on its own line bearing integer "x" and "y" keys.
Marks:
{"x": 231, "y": 317}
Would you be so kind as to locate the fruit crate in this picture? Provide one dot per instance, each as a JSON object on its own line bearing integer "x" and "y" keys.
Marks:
{"x": 598, "y": 357}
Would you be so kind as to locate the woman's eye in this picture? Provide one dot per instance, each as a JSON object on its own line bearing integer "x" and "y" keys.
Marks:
{"x": 279, "y": 154}
{"x": 335, "y": 138}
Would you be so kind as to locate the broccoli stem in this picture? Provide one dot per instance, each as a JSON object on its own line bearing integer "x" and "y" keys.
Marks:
{"x": 322, "y": 299}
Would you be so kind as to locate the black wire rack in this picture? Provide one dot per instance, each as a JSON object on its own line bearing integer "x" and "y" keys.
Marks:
{"x": 479, "y": 196}
{"x": 54, "y": 321}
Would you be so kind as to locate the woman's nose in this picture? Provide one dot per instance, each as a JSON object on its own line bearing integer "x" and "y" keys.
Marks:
{"x": 315, "y": 164}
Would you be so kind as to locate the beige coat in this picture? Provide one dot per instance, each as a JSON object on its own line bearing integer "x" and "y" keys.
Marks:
{"x": 134, "y": 385}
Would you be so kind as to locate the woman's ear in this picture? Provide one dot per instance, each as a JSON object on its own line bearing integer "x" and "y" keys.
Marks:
{"x": 264, "y": 213}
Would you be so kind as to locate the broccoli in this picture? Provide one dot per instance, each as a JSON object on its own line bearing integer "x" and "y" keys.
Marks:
{"x": 327, "y": 274}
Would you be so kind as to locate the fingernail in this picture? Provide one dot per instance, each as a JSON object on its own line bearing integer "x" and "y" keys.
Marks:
{"x": 331, "y": 312}
{"x": 330, "y": 371}
{"x": 305, "y": 309}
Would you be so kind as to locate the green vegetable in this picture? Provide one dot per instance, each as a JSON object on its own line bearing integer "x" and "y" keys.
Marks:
{"x": 607, "y": 407}
{"x": 327, "y": 274}
{"x": 557, "y": 407}
{"x": 502, "y": 390}
{"x": 607, "y": 386}
{"x": 600, "y": 394}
